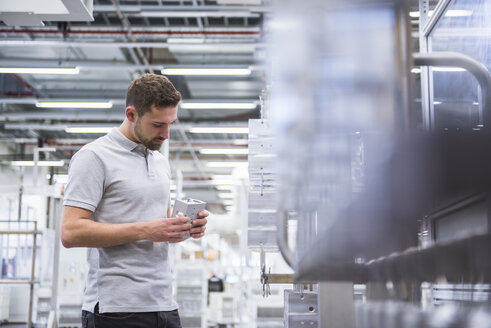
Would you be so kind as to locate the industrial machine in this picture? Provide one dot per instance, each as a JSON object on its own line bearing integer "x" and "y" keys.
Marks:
{"x": 384, "y": 189}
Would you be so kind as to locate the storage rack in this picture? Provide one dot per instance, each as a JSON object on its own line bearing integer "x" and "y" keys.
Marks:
{"x": 31, "y": 281}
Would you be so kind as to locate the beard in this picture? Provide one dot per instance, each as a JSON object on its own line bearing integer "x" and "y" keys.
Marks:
{"x": 151, "y": 144}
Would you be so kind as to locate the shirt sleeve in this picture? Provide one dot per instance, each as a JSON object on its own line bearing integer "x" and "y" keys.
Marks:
{"x": 85, "y": 185}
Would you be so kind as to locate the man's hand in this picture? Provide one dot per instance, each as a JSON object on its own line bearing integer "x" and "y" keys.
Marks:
{"x": 199, "y": 225}
{"x": 172, "y": 230}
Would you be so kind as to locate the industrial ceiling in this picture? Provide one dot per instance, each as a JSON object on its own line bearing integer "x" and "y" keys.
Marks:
{"x": 126, "y": 39}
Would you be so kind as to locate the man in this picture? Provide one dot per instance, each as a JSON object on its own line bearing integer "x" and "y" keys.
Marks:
{"x": 116, "y": 203}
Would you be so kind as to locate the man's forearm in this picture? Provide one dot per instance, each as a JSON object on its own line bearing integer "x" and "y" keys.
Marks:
{"x": 87, "y": 233}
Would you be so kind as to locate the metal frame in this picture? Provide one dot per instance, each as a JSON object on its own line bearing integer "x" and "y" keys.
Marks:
{"x": 426, "y": 26}
{"x": 474, "y": 67}
{"x": 31, "y": 281}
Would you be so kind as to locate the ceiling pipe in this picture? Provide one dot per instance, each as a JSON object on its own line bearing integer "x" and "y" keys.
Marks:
{"x": 140, "y": 8}
{"x": 123, "y": 32}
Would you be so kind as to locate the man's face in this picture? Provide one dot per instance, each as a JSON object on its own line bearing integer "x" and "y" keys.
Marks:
{"x": 153, "y": 127}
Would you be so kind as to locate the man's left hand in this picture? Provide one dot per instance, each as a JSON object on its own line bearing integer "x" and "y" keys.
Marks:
{"x": 199, "y": 225}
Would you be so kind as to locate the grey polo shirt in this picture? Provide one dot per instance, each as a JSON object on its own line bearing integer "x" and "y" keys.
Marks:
{"x": 119, "y": 181}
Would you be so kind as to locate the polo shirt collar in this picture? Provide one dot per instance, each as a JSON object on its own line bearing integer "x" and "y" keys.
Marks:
{"x": 122, "y": 140}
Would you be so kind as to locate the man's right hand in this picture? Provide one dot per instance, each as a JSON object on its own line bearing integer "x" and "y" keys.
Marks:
{"x": 172, "y": 230}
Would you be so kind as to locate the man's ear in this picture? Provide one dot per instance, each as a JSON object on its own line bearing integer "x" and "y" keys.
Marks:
{"x": 131, "y": 114}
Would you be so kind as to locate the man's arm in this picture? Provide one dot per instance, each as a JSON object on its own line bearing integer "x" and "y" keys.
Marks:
{"x": 78, "y": 230}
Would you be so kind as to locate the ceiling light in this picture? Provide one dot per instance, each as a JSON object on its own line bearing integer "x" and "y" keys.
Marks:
{"x": 188, "y": 13}
{"x": 39, "y": 70}
{"x": 206, "y": 71}
{"x": 74, "y": 104}
{"x": 241, "y": 142}
{"x": 89, "y": 129}
{"x": 59, "y": 178}
{"x": 458, "y": 13}
{"x": 40, "y": 163}
{"x": 226, "y": 195}
{"x": 224, "y": 151}
{"x": 233, "y": 105}
{"x": 439, "y": 69}
{"x": 437, "y": 103}
{"x": 223, "y": 180}
{"x": 185, "y": 40}
{"x": 448, "y": 13}
{"x": 219, "y": 130}
{"x": 225, "y": 187}
{"x": 228, "y": 202}
{"x": 226, "y": 164}
{"x": 448, "y": 69}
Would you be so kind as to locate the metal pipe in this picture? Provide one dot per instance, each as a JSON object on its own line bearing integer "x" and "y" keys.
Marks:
{"x": 20, "y": 232}
{"x": 440, "y": 10}
{"x": 16, "y": 282}
{"x": 33, "y": 272}
{"x": 282, "y": 237}
{"x": 474, "y": 67}
{"x": 124, "y": 32}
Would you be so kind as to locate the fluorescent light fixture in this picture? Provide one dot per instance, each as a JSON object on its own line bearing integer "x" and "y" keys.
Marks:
{"x": 206, "y": 71}
{"x": 458, "y": 13}
{"x": 173, "y": 187}
{"x": 219, "y": 130}
{"x": 240, "y": 142}
{"x": 40, "y": 163}
{"x": 223, "y": 180}
{"x": 226, "y": 195}
{"x": 210, "y": 105}
{"x": 475, "y": 103}
{"x": 439, "y": 69}
{"x": 225, "y": 187}
{"x": 226, "y": 164}
{"x": 224, "y": 151}
{"x": 448, "y": 13}
{"x": 185, "y": 40}
{"x": 74, "y": 104}
{"x": 188, "y": 13}
{"x": 61, "y": 178}
{"x": 448, "y": 69}
{"x": 437, "y": 103}
{"x": 39, "y": 70}
{"x": 228, "y": 202}
{"x": 220, "y": 182}
{"x": 89, "y": 129}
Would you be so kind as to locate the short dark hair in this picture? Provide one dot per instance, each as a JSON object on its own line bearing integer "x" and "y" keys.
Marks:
{"x": 151, "y": 90}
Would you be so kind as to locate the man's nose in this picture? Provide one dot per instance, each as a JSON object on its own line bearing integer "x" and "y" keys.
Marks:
{"x": 165, "y": 133}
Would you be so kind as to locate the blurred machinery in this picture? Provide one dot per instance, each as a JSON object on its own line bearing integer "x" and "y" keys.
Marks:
{"x": 382, "y": 190}
{"x": 190, "y": 285}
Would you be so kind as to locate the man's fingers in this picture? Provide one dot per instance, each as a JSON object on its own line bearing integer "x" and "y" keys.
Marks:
{"x": 197, "y": 235}
{"x": 178, "y": 220}
{"x": 176, "y": 240}
{"x": 182, "y": 227}
{"x": 199, "y": 222}
{"x": 198, "y": 230}
{"x": 203, "y": 213}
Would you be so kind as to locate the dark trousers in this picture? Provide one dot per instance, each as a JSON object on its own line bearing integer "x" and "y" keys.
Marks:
{"x": 162, "y": 319}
